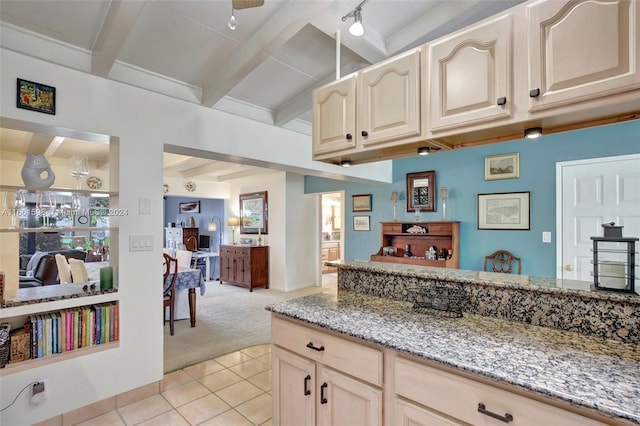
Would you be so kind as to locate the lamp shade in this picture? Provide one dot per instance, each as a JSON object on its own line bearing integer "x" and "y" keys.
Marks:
{"x": 395, "y": 196}
{"x": 233, "y": 221}
{"x": 444, "y": 193}
{"x": 213, "y": 227}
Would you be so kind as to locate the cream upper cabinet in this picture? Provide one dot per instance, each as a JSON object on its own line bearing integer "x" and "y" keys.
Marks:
{"x": 470, "y": 76}
{"x": 388, "y": 106}
{"x": 334, "y": 116}
{"x": 581, "y": 50}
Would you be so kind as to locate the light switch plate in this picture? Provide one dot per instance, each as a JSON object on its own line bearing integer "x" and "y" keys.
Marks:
{"x": 140, "y": 243}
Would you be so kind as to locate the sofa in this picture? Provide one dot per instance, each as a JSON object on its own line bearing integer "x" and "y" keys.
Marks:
{"x": 41, "y": 269}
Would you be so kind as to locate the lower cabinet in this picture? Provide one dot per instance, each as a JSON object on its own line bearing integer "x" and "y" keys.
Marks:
{"x": 245, "y": 266}
{"x": 323, "y": 392}
{"x": 320, "y": 378}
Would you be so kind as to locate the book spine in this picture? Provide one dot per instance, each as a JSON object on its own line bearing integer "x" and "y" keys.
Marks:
{"x": 76, "y": 321}
{"x": 63, "y": 331}
{"x": 54, "y": 333}
{"x": 98, "y": 325}
{"x": 33, "y": 350}
{"x": 103, "y": 325}
{"x": 40, "y": 339}
{"x": 116, "y": 322}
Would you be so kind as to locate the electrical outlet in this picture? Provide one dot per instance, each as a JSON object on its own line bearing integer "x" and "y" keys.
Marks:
{"x": 39, "y": 391}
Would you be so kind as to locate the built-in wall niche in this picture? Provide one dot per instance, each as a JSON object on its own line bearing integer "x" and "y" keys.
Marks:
{"x": 78, "y": 212}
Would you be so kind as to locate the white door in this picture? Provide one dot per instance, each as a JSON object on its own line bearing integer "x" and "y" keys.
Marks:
{"x": 589, "y": 193}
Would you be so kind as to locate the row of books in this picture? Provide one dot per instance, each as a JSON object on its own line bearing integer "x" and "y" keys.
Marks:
{"x": 74, "y": 328}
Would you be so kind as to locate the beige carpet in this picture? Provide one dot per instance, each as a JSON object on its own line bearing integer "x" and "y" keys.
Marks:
{"x": 229, "y": 318}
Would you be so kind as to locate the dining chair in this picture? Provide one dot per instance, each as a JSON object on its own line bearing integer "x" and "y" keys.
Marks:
{"x": 64, "y": 270}
{"x": 184, "y": 258}
{"x": 502, "y": 261}
{"x": 79, "y": 272}
{"x": 169, "y": 296}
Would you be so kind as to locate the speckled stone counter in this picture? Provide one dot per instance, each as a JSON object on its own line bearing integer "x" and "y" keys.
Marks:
{"x": 548, "y": 302}
{"x": 585, "y": 371}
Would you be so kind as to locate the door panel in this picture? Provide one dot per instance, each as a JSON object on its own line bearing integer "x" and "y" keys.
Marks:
{"x": 593, "y": 192}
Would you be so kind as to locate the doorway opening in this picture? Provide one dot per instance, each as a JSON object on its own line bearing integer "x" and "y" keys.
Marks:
{"x": 331, "y": 235}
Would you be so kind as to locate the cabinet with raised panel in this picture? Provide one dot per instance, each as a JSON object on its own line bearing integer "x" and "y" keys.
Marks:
{"x": 245, "y": 266}
{"x": 379, "y": 106}
{"x": 471, "y": 76}
{"x": 581, "y": 50}
{"x": 323, "y": 379}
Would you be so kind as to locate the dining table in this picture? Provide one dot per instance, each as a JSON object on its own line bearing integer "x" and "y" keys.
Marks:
{"x": 190, "y": 279}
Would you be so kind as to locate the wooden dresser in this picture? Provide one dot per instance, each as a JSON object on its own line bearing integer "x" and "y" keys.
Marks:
{"x": 247, "y": 266}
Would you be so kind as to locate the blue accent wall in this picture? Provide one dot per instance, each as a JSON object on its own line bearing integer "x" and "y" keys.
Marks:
{"x": 462, "y": 172}
{"x": 208, "y": 209}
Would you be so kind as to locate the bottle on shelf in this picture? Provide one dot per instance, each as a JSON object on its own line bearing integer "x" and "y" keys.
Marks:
{"x": 407, "y": 251}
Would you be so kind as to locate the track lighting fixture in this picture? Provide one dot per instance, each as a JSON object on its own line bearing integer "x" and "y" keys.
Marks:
{"x": 345, "y": 163}
{"x": 233, "y": 23}
{"x": 424, "y": 150}
{"x": 356, "y": 28}
{"x": 533, "y": 132}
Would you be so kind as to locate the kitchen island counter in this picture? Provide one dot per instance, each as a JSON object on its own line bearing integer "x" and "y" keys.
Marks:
{"x": 579, "y": 370}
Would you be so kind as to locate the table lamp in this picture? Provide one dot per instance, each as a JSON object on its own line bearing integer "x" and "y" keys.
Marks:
{"x": 233, "y": 222}
{"x": 444, "y": 194}
{"x": 395, "y": 196}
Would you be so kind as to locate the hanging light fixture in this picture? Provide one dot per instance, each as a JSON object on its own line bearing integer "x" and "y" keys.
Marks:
{"x": 233, "y": 23}
{"x": 356, "y": 28}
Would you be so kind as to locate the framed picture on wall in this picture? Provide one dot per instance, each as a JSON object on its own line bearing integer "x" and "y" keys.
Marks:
{"x": 36, "y": 97}
{"x": 253, "y": 213}
{"x": 189, "y": 207}
{"x": 361, "y": 202}
{"x": 507, "y": 210}
{"x": 361, "y": 223}
{"x": 503, "y": 166}
{"x": 421, "y": 191}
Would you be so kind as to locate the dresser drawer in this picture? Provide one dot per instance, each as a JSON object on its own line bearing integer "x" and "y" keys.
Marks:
{"x": 357, "y": 360}
{"x": 439, "y": 229}
{"x": 460, "y": 397}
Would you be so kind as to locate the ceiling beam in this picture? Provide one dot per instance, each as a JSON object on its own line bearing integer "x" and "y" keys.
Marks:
{"x": 244, "y": 173}
{"x": 211, "y": 167}
{"x": 40, "y": 143}
{"x": 302, "y": 102}
{"x": 273, "y": 35}
{"x": 120, "y": 19}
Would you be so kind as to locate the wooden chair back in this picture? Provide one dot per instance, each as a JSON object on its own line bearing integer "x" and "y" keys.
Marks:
{"x": 169, "y": 294}
{"x": 502, "y": 261}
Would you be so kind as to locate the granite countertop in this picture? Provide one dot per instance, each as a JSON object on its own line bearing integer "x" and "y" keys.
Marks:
{"x": 582, "y": 370}
{"x": 582, "y": 289}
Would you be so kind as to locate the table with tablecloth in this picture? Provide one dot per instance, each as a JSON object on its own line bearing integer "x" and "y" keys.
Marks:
{"x": 186, "y": 283}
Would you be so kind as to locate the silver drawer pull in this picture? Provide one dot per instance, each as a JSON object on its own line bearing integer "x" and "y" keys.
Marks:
{"x": 506, "y": 418}
{"x": 315, "y": 348}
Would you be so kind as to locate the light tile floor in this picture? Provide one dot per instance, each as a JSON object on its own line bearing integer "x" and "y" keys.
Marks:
{"x": 231, "y": 390}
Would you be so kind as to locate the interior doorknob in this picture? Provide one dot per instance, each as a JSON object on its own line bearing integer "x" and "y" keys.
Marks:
{"x": 569, "y": 267}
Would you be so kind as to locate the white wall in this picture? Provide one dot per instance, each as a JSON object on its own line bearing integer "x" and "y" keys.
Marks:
{"x": 142, "y": 122}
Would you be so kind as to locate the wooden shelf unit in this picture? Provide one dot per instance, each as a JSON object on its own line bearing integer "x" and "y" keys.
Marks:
{"x": 442, "y": 235}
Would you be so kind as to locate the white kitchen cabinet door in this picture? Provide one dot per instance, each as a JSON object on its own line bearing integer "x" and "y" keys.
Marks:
{"x": 294, "y": 390}
{"x": 334, "y": 116}
{"x": 346, "y": 401}
{"x": 581, "y": 50}
{"x": 471, "y": 76}
{"x": 388, "y": 106}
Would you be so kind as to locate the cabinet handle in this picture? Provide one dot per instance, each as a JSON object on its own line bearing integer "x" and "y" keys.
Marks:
{"x": 349, "y": 137}
{"x": 365, "y": 133}
{"x": 306, "y": 385}
{"x": 315, "y": 348}
{"x": 502, "y": 101}
{"x": 534, "y": 93}
{"x": 506, "y": 418}
{"x": 323, "y": 399}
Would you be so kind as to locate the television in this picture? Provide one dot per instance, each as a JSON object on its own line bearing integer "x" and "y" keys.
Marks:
{"x": 203, "y": 243}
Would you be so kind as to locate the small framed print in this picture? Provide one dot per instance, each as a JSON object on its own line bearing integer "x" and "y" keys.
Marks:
{"x": 503, "y": 166}
{"x": 189, "y": 207}
{"x": 36, "y": 97}
{"x": 421, "y": 191}
{"x": 361, "y": 223}
{"x": 361, "y": 202}
{"x": 507, "y": 210}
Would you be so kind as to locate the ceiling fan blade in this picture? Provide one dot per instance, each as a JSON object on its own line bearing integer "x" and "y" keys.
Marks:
{"x": 245, "y": 4}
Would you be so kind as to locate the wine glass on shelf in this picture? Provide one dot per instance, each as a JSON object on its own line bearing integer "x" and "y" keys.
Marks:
{"x": 19, "y": 204}
{"x": 79, "y": 168}
{"x": 46, "y": 203}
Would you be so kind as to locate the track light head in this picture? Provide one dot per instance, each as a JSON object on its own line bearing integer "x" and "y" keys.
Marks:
{"x": 356, "y": 28}
{"x": 233, "y": 22}
{"x": 424, "y": 150}
{"x": 345, "y": 163}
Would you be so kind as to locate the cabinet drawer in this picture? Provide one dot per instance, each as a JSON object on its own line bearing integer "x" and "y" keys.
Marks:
{"x": 440, "y": 229}
{"x": 459, "y": 397}
{"x": 392, "y": 228}
{"x": 359, "y": 361}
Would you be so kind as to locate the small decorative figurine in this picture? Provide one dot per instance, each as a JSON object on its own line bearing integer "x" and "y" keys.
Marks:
{"x": 33, "y": 169}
